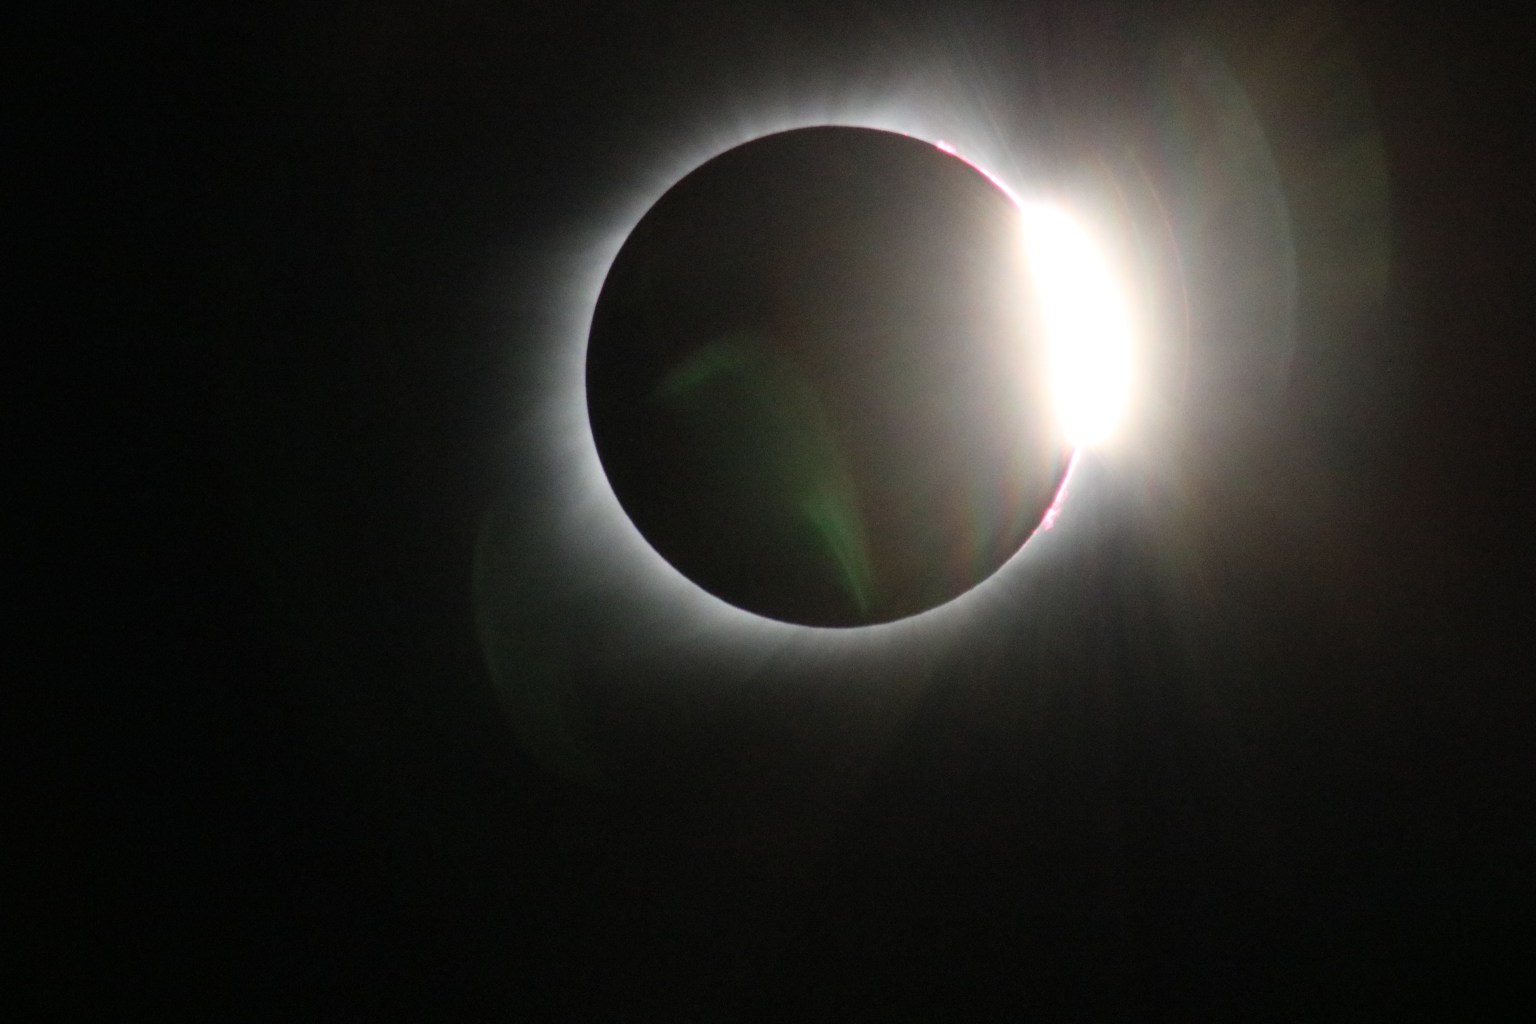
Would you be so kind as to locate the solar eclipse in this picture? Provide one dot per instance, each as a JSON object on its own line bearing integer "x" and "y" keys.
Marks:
{"x": 836, "y": 375}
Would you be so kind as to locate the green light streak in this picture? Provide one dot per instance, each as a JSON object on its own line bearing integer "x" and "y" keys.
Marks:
{"x": 835, "y": 519}
{"x": 708, "y": 364}
{"x": 743, "y": 395}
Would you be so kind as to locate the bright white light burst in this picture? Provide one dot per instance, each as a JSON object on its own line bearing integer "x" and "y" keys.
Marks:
{"x": 1086, "y": 320}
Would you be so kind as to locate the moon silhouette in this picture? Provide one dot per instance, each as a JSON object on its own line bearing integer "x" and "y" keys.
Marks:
{"x": 816, "y": 380}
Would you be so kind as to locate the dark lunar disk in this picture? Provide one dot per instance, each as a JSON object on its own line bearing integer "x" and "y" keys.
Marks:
{"x": 815, "y": 382}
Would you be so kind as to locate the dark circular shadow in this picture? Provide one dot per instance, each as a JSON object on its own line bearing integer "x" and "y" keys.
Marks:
{"x": 814, "y": 381}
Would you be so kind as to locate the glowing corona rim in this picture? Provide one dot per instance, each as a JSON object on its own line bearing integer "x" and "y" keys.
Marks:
{"x": 600, "y": 537}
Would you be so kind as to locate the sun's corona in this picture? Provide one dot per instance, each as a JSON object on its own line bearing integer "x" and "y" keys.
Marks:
{"x": 599, "y": 537}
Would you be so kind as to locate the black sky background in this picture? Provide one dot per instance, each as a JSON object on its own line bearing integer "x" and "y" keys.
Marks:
{"x": 264, "y": 402}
